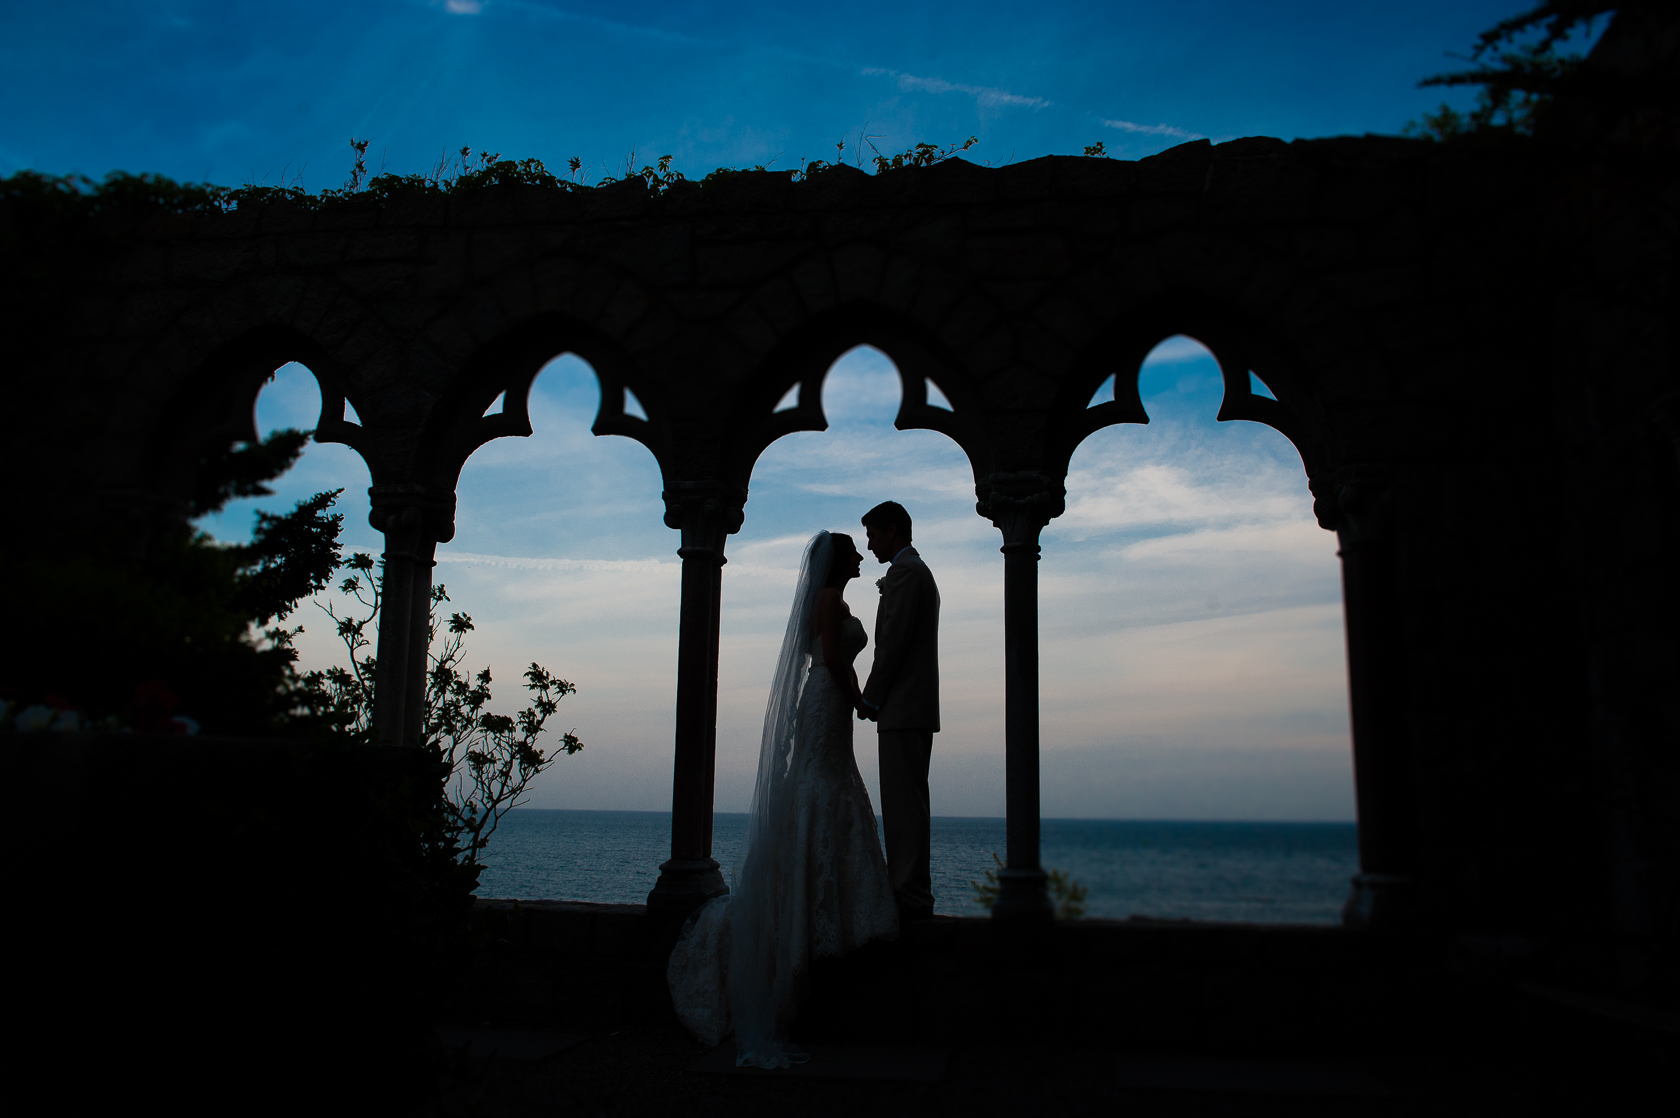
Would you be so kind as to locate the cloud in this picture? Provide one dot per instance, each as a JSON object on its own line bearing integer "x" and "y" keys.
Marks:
{"x": 1153, "y": 130}
{"x": 1191, "y": 645}
{"x": 640, "y": 567}
{"x": 1108, "y": 493}
{"x": 985, "y": 96}
{"x": 1291, "y": 537}
{"x": 463, "y": 7}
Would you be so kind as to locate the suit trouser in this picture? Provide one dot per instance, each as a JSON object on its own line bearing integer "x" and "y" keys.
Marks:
{"x": 905, "y": 811}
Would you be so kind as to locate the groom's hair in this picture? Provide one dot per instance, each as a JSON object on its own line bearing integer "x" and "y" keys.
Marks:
{"x": 889, "y": 514}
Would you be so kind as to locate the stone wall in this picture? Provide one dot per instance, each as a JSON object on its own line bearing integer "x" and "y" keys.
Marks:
{"x": 1165, "y": 985}
{"x": 1472, "y": 345}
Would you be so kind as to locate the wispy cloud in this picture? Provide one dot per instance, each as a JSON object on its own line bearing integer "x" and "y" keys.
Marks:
{"x": 1168, "y": 130}
{"x": 642, "y": 567}
{"x": 463, "y": 7}
{"x": 1109, "y": 490}
{"x": 1191, "y": 651}
{"x": 985, "y": 96}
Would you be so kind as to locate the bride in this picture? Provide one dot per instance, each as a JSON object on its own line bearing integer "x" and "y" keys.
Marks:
{"x": 813, "y": 881}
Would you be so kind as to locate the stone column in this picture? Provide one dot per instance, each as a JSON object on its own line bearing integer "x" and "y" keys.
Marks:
{"x": 706, "y": 513}
{"x": 1382, "y": 894}
{"x": 1021, "y": 505}
{"x": 413, "y": 521}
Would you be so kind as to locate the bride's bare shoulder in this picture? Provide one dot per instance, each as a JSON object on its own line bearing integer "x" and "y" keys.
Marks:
{"x": 831, "y": 603}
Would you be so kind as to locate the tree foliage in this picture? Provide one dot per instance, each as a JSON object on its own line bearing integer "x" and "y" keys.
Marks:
{"x": 341, "y": 698}
{"x": 243, "y": 470}
{"x": 490, "y": 758}
{"x": 1519, "y": 70}
{"x": 181, "y": 635}
{"x": 198, "y": 648}
{"x": 290, "y": 556}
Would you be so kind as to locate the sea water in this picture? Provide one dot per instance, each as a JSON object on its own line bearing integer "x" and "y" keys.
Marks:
{"x": 1292, "y": 873}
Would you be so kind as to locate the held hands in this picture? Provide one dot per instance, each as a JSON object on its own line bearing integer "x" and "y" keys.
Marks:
{"x": 864, "y": 711}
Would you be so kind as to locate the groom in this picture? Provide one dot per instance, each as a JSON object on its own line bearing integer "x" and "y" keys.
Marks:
{"x": 902, "y": 699}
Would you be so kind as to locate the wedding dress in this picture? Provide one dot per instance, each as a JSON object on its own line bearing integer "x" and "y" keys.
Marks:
{"x": 813, "y": 881}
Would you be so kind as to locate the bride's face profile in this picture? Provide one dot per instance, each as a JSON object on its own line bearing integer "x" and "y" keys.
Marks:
{"x": 847, "y": 562}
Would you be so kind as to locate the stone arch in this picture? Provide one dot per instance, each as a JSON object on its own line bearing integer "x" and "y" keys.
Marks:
{"x": 804, "y": 356}
{"x": 1239, "y": 346}
{"x": 215, "y": 406}
{"x": 457, "y": 424}
{"x": 1237, "y": 642}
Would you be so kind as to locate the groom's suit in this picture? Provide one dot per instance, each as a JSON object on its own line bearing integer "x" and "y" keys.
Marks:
{"x": 904, "y": 688}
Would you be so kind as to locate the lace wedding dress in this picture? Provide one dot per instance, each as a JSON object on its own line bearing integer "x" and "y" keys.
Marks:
{"x": 813, "y": 882}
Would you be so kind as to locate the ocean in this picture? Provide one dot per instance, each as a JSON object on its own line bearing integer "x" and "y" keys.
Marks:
{"x": 1281, "y": 873}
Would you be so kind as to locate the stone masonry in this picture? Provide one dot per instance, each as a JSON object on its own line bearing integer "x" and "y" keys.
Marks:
{"x": 1472, "y": 347}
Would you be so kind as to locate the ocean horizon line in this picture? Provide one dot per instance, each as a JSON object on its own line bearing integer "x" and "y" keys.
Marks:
{"x": 998, "y": 818}
{"x": 1271, "y": 871}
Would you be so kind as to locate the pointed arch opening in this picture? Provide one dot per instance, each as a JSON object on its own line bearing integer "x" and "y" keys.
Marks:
{"x": 808, "y": 480}
{"x": 196, "y": 607}
{"x": 1193, "y": 667}
{"x": 561, "y": 558}
{"x": 291, "y": 399}
{"x": 489, "y": 398}
{"x": 787, "y": 391}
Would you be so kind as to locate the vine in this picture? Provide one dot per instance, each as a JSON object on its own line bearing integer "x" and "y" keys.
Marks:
{"x": 460, "y": 172}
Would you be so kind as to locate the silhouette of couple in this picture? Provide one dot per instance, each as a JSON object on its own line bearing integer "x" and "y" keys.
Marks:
{"x": 813, "y": 881}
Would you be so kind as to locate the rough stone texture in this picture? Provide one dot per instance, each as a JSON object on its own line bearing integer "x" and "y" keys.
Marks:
{"x": 1473, "y": 344}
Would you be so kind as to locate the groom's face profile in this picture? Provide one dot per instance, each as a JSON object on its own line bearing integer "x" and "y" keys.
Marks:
{"x": 884, "y": 542}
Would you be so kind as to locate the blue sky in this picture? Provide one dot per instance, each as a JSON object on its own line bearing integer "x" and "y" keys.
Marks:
{"x": 1193, "y": 662}
{"x": 235, "y": 91}
{"x": 1191, "y": 624}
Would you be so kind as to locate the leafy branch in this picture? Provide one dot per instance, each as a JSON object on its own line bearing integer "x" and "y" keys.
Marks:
{"x": 1067, "y": 894}
{"x": 343, "y": 697}
{"x": 1518, "y": 70}
{"x": 491, "y": 757}
{"x": 922, "y": 155}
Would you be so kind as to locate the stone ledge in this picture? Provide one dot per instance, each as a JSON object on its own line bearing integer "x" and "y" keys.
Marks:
{"x": 588, "y": 925}
{"x": 1176, "y": 983}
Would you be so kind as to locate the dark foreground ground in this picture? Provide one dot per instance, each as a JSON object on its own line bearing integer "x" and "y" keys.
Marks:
{"x": 1509, "y": 1052}
{"x": 172, "y": 958}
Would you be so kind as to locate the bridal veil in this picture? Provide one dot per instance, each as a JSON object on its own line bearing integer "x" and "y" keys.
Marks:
{"x": 761, "y": 963}
{"x": 744, "y": 944}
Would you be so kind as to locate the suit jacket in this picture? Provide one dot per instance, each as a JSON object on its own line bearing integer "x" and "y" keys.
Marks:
{"x": 904, "y": 683}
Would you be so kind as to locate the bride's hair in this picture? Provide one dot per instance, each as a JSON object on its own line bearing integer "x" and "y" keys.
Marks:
{"x": 843, "y": 547}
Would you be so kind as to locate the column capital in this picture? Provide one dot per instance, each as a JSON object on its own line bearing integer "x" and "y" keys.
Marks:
{"x": 406, "y": 507}
{"x": 1020, "y": 504}
{"x": 1355, "y": 502}
{"x": 707, "y": 513}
